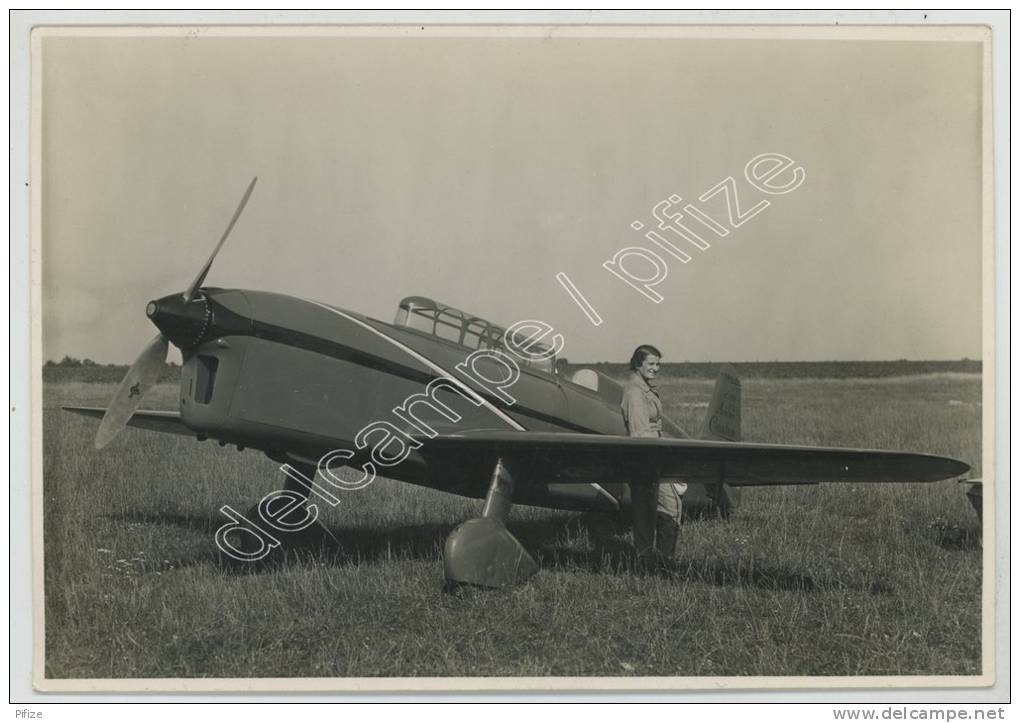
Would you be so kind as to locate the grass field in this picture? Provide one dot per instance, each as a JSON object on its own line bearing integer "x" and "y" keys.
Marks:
{"x": 827, "y": 580}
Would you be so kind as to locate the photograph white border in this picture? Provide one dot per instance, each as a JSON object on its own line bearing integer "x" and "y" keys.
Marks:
{"x": 26, "y": 375}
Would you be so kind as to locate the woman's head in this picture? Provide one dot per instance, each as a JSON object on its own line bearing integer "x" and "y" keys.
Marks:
{"x": 645, "y": 361}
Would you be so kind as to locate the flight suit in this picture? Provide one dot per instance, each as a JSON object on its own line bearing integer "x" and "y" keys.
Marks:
{"x": 656, "y": 509}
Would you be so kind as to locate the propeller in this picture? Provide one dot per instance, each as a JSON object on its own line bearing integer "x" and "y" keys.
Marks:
{"x": 139, "y": 379}
{"x": 150, "y": 363}
{"x": 190, "y": 293}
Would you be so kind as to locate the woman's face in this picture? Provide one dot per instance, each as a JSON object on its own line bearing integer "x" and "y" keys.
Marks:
{"x": 649, "y": 368}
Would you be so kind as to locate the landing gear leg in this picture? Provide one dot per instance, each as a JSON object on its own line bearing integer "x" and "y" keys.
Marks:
{"x": 482, "y": 551}
{"x": 315, "y": 534}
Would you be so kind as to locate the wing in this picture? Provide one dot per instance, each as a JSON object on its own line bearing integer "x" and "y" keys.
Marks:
{"x": 586, "y": 458}
{"x": 146, "y": 419}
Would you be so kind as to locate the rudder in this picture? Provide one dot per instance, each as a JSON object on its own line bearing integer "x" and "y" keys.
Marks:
{"x": 722, "y": 422}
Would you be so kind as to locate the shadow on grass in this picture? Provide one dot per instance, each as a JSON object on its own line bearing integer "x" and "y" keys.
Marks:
{"x": 341, "y": 546}
{"x": 955, "y": 537}
{"x": 204, "y": 523}
{"x": 720, "y": 572}
{"x": 545, "y": 539}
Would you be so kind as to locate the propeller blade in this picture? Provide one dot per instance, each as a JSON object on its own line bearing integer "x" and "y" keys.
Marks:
{"x": 140, "y": 377}
{"x": 208, "y": 264}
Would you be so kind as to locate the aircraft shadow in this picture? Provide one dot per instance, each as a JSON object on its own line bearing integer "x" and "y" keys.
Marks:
{"x": 342, "y": 547}
{"x": 204, "y": 523}
{"x": 955, "y": 537}
{"x": 720, "y": 572}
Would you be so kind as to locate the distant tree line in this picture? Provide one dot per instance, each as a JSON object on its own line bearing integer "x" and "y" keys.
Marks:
{"x": 86, "y": 370}
{"x": 72, "y": 361}
{"x": 799, "y": 370}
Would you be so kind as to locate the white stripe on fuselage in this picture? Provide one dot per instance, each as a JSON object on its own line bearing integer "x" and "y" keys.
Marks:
{"x": 427, "y": 362}
{"x": 443, "y": 373}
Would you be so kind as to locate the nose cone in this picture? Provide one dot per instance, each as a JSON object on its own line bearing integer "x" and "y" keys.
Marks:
{"x": 182, "y": 322}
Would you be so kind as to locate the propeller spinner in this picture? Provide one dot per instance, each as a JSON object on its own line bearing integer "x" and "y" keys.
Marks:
{"x": 149, "y": 364}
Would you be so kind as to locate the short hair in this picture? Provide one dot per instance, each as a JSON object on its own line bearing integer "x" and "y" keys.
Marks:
{"x": 639, "y": 355}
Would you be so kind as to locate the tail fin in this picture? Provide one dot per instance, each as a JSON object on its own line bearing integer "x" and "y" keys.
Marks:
{"x": 722, "y": 423}
{"x": 723, "y": 419}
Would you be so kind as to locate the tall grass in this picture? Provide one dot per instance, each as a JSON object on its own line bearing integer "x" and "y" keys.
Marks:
{"x": 828, "y": 580}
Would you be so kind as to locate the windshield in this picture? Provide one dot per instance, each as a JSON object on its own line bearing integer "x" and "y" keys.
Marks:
{"x": 445, "y": 322}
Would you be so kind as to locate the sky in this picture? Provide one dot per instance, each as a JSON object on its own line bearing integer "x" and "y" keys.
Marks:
{"x": 473, "y": 170}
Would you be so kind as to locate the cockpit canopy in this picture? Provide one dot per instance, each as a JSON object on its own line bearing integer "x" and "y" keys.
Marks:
{"x": 445, "y": 322}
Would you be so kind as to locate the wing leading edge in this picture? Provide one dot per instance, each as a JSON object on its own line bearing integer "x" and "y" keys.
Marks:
{"x": 587, "y": 458}
{"x": 156, "y": 421}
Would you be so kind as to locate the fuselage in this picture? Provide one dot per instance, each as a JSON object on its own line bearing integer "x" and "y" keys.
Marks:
{"x": 298, "y": 379}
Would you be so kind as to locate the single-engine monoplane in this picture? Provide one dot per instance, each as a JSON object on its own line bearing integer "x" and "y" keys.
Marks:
{"x": 436, "y": 398}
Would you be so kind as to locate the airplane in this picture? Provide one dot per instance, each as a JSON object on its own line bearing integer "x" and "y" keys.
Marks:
{"x": 312, "y": 385}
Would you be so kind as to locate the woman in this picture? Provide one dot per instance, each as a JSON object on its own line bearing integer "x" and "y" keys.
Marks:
{"x": 656, "y": 508}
